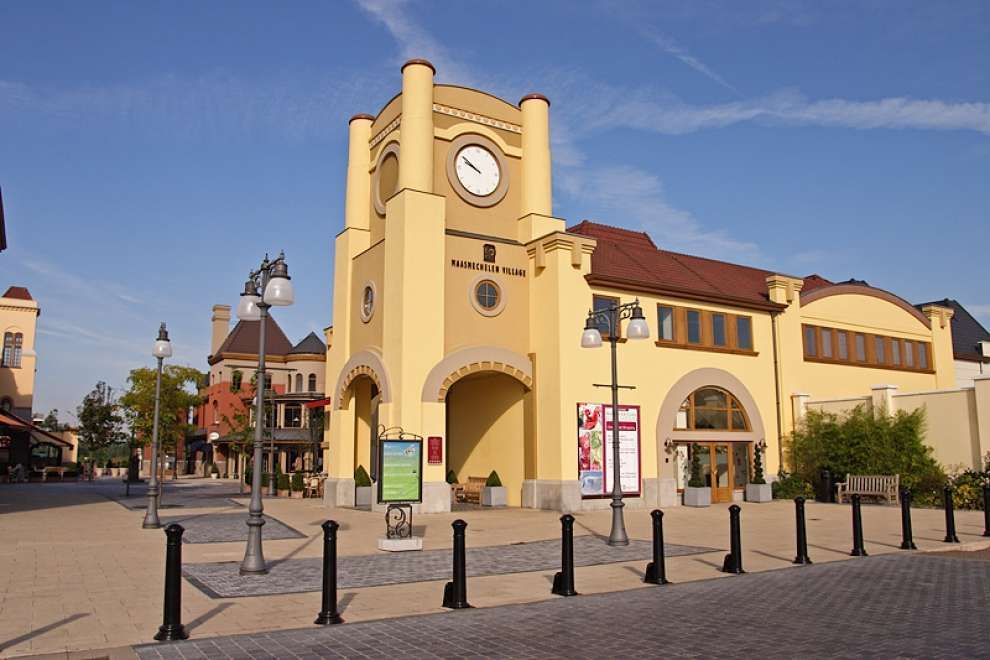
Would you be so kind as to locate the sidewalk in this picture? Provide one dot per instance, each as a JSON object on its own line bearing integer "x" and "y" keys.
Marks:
{"x": 82, "y": 574}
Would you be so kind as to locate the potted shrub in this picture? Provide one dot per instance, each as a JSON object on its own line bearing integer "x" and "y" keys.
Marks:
{"x": 362, "y": 488}
{"x": 264, "y": 480}
{"x": 214, "y": 471}
{"x": 493, "y": 494}
{"x": 282, "y": 485}
{"x": 696, "y": 493}
{"x": 758, "y": 490}
{"x": 298, "y": 485}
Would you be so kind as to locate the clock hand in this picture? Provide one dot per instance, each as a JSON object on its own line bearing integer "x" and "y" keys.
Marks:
{"x": 471, "y": 165}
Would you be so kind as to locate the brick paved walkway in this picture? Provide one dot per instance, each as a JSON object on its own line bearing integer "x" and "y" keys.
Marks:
{"x": 227, "y": 527}
{"x": 222, "y": 580}
{"x": 903, "y": 606}
{"x": 177, "y": 494}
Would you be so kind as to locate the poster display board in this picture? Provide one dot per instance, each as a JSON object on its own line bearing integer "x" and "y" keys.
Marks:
{"x": 595, "y": 459}
{"x": 401, "y": 471}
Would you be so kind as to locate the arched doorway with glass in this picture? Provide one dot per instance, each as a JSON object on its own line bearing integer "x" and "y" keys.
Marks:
{"x": 725, "y": 461}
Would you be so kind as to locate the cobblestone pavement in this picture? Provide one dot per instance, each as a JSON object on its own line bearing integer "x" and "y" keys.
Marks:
{"x": 222, "y": 580}
{"x": 904, "y": 606}
{"x": 226, "y": 527}
{"x": 176, "y": 494}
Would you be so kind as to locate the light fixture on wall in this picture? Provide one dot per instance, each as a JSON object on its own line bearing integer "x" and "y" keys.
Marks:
{"x": 668, "y": 445}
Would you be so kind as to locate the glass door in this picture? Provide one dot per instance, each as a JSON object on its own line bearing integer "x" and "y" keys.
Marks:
{"x": 721, "y": 473}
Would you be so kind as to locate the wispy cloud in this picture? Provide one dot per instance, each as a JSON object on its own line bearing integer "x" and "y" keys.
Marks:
{"x": 667, "y": 45}
{"x": 979, "y": 310}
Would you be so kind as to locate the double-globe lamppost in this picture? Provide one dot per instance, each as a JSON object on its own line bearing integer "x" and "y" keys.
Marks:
{"x": 272, "y": 280}
{"x": 162, "y": 350}
{"x": 611, "y": 317}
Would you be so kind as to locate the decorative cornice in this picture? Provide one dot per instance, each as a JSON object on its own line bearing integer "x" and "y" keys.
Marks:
{"x": 392, "y": 125}
{"x": 475, "y": 117}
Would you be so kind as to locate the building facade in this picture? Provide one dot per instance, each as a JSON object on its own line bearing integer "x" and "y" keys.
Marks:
{"x": 460, "y": 299}
{"x": 294, "y": 380}
{"x": 18, "y": 363}
{"x": 970, "y": 344}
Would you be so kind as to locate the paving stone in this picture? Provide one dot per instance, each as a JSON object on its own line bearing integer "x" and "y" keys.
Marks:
{"x": 905, "y": 606}
{"x": 227, "y": 527}
{"x": 223, "y": 579}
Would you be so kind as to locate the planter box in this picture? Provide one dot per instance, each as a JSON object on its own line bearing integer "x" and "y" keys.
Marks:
{"x": 296, "y": 495}
{"x": 282, "y": 493}
{"x": 493, "y": 496}
{"x": 697, "y": 496}
{"x": 759, "y": 493}
{"x": 362, "y": 497}
{"x": 214, "y": 475}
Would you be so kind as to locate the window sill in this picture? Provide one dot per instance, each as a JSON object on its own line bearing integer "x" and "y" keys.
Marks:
{"x": 710, "y": 349}
{"x": 867, "y": 365}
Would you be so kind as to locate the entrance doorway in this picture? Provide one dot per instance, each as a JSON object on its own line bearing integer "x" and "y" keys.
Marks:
{"x": 724, "y": 467}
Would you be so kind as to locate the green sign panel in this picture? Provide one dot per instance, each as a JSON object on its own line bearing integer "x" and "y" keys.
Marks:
{"x": 401, "y": 471}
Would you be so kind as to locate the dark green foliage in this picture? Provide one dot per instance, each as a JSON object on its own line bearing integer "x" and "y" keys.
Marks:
{"x": 789, "y": 486}
{"x": 493, "y": 481}
{"x": 860, "y": 442}
{"x": 264, "y": 480}
{"x": 758, "y": 477}
{"x": 361, "y": 477}
{"x": 297, "y": 482}
{"x": 282, "y": 483}
{"x": 451, "y": 477}
{"x": 247, "y": 475}
{"x": 696, "y": 481}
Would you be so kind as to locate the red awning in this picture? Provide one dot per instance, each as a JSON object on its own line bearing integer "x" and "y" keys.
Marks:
{"x": 319, "y": 403}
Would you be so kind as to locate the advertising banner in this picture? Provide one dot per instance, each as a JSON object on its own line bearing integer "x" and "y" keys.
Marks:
{"x": 595, "y": 471}
{"x": 401, "y": 471}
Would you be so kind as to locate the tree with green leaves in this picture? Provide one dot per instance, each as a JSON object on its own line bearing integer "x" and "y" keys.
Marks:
{"x": 50, "y": 422}
{"x": 177, "y": 396}
{"x": 100, "y": 421}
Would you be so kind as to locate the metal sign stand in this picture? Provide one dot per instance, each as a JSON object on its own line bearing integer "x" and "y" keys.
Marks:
{"x": 398, "y": 515}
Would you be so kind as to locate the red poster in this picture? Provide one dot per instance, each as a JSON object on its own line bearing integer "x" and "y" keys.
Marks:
{"x": 434, "y": 450}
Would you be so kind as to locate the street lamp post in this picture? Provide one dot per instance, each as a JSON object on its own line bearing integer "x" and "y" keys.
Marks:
{"x": 162, "y": 350}
{"x": 272, "y": 280}
{"x": 592, "y": 338}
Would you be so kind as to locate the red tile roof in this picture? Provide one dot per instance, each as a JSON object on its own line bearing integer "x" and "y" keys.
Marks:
{"x": 631, "y": 260}
{"x": 19, "y": 292}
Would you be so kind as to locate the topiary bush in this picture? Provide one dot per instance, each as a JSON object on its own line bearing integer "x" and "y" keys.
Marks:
{"x": 860, "y": 442}
{"x": 758, "y": 477}
{"x": 297, "y": 482}
{"x": 493, "y": 481}
{"x": 451, "y": 477}
{"x": 696, "y": 481}
{"x": 282, "y": 483}
{"x": 361, "y": 477}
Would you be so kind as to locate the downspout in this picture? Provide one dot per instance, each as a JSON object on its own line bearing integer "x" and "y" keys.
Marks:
{"x": 776, "y": 383}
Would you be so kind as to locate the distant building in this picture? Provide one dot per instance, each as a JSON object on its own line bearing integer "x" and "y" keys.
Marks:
{"x": 18, "y": 362}
{"x": 970, "y": 343}
{"x": 294, "y": 379}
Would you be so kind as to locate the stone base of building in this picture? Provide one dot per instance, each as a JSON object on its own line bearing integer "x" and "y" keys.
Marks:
{"x": 338, "y": 492}
{"x": 667, "y": 493}
{"x": 563, "y": 496}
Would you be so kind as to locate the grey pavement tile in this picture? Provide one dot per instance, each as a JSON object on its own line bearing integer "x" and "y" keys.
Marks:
{"x": 227, "y": 527}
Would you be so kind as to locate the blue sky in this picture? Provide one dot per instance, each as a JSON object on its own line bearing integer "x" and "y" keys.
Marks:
{"x": 151, "y": 153}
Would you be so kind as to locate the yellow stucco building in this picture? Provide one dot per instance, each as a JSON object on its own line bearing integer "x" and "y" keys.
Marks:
{"x": 18, "y": 361}
{"x": 459, "y": 302}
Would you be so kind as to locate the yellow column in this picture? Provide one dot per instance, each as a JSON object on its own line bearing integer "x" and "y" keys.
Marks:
{"x": 416, "y": 127}
{"x": 942, "y": 358}
{"x": 537, "y": 193}
{"x": 790, "y": 360}
{"x": 357, "y": 203}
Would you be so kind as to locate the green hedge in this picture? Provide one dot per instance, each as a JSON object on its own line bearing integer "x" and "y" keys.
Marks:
{"x": 493, "y": 480}
{"x": 297, "y": 482}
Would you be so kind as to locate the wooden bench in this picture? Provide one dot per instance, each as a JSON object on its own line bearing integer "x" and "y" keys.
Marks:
{"x": 471, "y": 491}
{"x": 870, "y": 485}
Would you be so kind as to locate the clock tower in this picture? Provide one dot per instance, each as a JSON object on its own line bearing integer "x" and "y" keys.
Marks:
{"x": 448, "y": 219}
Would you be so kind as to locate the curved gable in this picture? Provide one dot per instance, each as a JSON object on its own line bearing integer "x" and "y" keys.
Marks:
{"x": 864, "y": 291}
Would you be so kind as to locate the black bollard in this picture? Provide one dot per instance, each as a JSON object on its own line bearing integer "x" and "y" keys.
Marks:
{"x": 986, "y": 509}
{"x": 802, "y": 533}
{"x": 733, "y": 560}
{"x": 950, "y": 516}
{"x": 329, "y": 614}
{"x": 172, "y": 628}
{"x": 455, "y": 592}
{"x": 907, "y": 535}
{"x": 858, "y": 549}
{"x": 563, "y": 581}
{"x": 656, "y": 570}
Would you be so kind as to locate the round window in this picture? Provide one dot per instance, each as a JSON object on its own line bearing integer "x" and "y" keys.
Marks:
{"x": 487, "y": 294}
{"x": 368, "y": 302}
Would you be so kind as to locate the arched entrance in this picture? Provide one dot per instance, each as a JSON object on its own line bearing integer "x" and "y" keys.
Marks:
{"x": 486, "y": 430}
{"x": 711, "y": 413}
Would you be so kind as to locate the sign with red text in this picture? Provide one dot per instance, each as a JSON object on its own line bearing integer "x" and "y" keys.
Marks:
{"x": 595, "y": 450}
{"x": 434, "y": 450}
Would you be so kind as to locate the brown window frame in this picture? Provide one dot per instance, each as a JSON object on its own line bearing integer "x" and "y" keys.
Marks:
{"x": 673, "y": 324}
{"x": 706, "y": 331}
{"x": 878, "y": 349}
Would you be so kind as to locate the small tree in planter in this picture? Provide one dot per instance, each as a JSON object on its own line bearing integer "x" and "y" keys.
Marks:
{"x": 493, "y": 494}
{"x": 362, "y": 488}
{"x": 282, "y": 485}
{"x": 696, "y": 493}
{"x": 758, "y": 490}
{"x": 451, "y": 477}
{"x": 297, "y": 485}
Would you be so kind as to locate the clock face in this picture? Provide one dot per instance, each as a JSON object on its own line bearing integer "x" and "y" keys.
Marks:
{"x": 477, "y": 170}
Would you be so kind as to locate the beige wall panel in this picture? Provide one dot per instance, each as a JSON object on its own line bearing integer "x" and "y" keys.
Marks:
{"x": 464, "y": 326}
{"x": 486, "y": 431}
{"x": 390, "y": 111}
{"x": 368, "y": 266}
{"x": 477, "y": 101}
{"x": 499, "y": 220}
{"x": 952, "y": 429}
{"x": 866, "y": 314}
{"x": 831, "y": 381}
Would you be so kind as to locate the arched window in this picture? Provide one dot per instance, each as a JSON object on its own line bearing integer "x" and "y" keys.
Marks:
{"x": 12, "y": 349}
{"x": 18, "y": 345}
{"x": 235, "y": 380}
{"x": 312, "y": 382}
{"x": 299, "y": 383}
{"x": 216, "y": 412}
{"x": 711, "y": 409}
